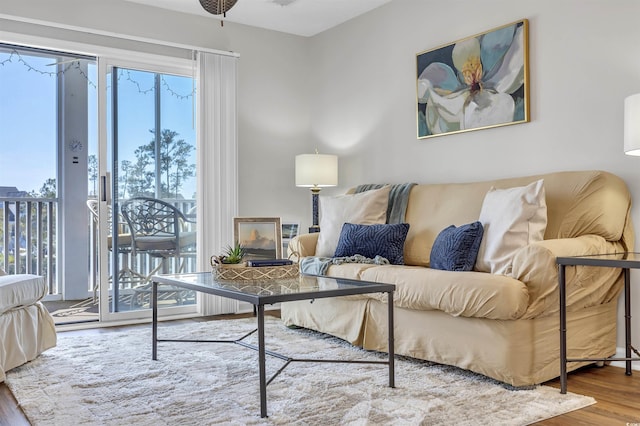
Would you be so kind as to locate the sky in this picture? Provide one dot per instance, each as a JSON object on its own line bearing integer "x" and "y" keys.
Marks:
{"x": 28, "y": 109}
{"x": 26, "y": 148}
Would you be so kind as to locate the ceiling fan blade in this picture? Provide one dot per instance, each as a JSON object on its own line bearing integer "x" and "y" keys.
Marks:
{"x": 217, "y": 7}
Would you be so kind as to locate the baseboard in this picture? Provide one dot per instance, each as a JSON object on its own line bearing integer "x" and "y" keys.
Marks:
{"x": 620, "y": 353}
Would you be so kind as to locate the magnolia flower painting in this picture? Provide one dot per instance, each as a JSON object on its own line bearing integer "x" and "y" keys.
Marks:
{"x": 474, "y": 83}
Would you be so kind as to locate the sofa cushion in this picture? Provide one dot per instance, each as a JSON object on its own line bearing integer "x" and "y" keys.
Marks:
{"x": 386, "y": 240}
{"x": 366, "y": 208}
{"x": 578, "y": 203}
{"x": 20, "y": 290}
{"x": 466, "y": 294}
{"x": 512, "y": 218}
{"x": 352, "y": 271}
{"x": 456, "y": 248}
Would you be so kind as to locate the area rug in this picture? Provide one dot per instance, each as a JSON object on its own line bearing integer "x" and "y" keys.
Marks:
{"x": 110, "y": 379}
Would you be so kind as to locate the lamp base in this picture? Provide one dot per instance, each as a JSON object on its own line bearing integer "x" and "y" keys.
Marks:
{"x": 315, "y": 193}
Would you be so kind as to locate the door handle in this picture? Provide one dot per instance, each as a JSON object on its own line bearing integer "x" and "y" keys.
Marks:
{"x": 105, "y": 193}
{"x": 103, "y": 188}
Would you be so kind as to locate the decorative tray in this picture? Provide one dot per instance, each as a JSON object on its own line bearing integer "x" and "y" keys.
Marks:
{"x": 242, "y": 272}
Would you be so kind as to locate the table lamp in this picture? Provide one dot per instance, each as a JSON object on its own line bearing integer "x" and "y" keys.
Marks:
{"x": 316, "y": 171}
{"x": 632, "y": 125}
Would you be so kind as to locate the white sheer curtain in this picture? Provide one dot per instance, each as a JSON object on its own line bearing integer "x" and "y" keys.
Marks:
{"x": 217, "y": 165}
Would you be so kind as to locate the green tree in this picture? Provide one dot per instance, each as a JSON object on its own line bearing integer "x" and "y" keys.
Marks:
{"x": 175, "y": 167}
{"x": 139, "y": 176}
{"x": 92, "y": 168}
{"x": 48, "y": 189}
{"x": 123, "y": 178}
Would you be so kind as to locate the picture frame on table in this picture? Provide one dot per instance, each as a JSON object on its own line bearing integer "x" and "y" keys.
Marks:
{"x": 289, "y": 230}
{"x": 261, "y": 237}
{"x": 478, "y": 82}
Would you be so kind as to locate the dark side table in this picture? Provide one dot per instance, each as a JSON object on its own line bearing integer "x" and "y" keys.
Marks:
{"x": 625, "y": 261}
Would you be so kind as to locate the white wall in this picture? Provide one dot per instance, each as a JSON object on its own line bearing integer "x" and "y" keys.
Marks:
{"x": 582, "y": 65}
{"x": 583, "y": 62}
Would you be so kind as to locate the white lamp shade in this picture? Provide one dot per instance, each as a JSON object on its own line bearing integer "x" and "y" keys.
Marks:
{"x": 316, "y": 170}
{"x": 632, "y": 125}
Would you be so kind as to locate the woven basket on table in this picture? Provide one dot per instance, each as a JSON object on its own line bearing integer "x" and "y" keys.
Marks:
{"x": 250, "y": 273}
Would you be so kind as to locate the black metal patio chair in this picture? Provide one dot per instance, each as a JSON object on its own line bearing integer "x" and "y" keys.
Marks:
{"x": 159, "y": 230}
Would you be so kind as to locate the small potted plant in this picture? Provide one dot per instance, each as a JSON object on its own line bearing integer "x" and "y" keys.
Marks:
{"x": 232, "y": 256}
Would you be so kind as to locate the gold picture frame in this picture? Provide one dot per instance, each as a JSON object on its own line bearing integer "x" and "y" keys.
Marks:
{"x": 478, "y": 82}
{"x": 260, "y": 236}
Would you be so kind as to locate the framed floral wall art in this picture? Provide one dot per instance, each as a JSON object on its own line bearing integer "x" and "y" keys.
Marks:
{"x": 475, "y": 83}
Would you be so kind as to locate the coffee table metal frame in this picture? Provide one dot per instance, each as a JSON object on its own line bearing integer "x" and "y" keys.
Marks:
{"x": 259, "y": 301}
{"x": 626, "y": 261}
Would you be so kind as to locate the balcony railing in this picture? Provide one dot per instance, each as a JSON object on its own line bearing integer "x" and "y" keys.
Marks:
{"x": 27, "y": 237}
{"x": 28, "y": 242}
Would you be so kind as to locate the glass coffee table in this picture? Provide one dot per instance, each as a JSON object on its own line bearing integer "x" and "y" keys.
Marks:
{"x": 268, "y": 292}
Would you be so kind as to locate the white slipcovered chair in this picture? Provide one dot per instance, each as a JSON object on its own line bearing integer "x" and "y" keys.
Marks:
{"x": 26, "y": 327}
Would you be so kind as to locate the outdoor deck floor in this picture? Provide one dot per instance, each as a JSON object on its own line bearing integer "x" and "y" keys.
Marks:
{"x": 86, "y": 310}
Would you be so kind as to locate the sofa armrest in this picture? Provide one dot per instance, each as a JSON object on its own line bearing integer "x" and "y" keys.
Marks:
{"x": 302, "y": 246}
{"x": 535, "y": 265}
{"x": 20, "y": 290}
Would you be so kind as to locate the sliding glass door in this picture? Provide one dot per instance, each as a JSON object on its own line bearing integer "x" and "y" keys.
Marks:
{"x": 149, "y": 176}
{"x": 98, "y": 177}
{"x": 48, "y": 116}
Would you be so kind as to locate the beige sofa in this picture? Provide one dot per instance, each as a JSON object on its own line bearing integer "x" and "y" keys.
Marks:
{"x": 502, "y": 326}
{"x": 26, "y": 327}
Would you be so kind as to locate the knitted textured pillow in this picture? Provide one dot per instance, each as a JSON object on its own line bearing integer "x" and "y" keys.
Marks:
{"x": 456, "y": 249}
{"x": 386, "y": 240}
{"x": 366, "y": 208}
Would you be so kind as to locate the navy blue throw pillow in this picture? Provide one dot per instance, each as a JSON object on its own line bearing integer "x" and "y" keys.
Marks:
{"x": 386, "y": 240}
{"x": 456, "y": 249}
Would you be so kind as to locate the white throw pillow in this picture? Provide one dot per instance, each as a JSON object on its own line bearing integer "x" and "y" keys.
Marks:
{"x": 512, "y": 218}
{"x": 367, "y": 208}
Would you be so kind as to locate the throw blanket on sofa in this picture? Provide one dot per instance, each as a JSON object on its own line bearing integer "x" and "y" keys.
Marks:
{"x": 318, "y": 265}
{"x": 398, "y": 198}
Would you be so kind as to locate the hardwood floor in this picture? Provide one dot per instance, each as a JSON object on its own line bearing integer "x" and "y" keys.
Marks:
{"x": 10, "y": 412}
{"x": 617, "y": 395}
